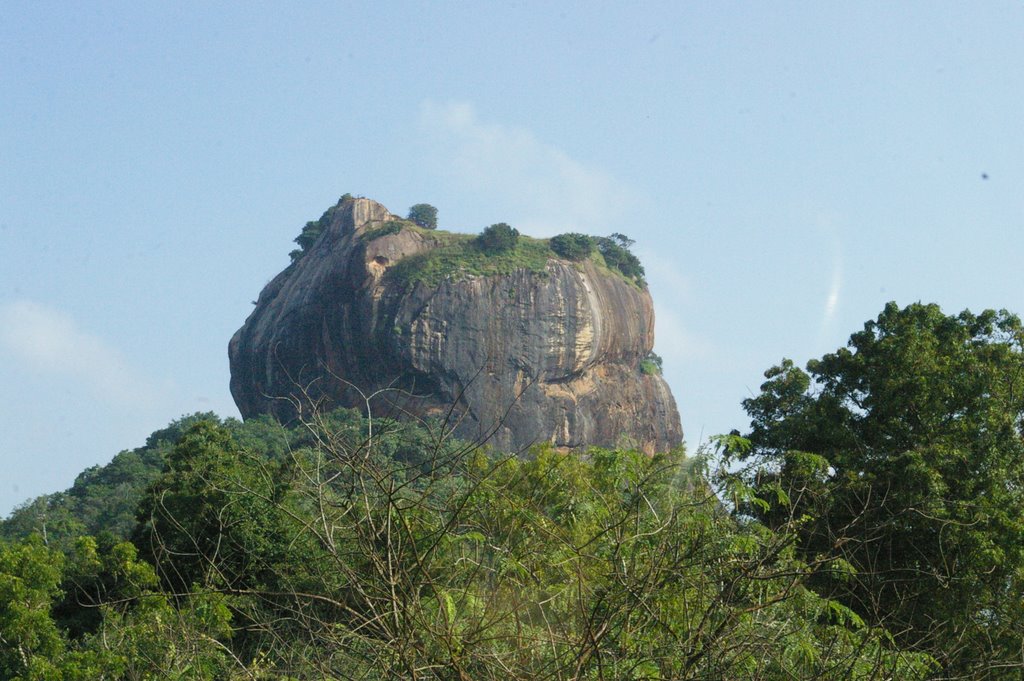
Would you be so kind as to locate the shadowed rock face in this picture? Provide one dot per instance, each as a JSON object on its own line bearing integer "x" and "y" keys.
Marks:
{"x": 519, "y": 358}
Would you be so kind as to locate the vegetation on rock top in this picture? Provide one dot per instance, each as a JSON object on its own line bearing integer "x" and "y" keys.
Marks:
{"x": 389, "y": 227}
{"x": 424, "y": 215}
{"x": 572, "y": 246}
{"x": 461, "y": 255}
{"x": 501, "y": 250}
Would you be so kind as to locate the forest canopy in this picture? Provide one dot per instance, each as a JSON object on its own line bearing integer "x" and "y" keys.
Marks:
{"x": 867, "y": 526}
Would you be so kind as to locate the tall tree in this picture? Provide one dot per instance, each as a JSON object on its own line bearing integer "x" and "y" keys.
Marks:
{"x": 498, "y": 238}
{"x": 902, "y": 456}
{"x": 424, "y": 215}
{"x": 210, "y": 518}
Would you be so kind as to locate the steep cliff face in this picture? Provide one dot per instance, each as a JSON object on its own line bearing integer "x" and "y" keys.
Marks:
{"x": 540, "y": 353}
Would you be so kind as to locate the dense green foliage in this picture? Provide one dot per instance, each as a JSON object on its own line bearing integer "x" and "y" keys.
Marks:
{"x": 497, "y": 239}
{"x": 499, "y": 249}
{"x": 616, "y": 254}
{"x": 572, "y": 246}
{"x": 651, "y": 364}
{"x": 397, "y": 553}
{"x": 870, "y": 526}
{"x": 424, "y": 215}
{"x": 135, "y": 631}
{"x": 902, "y": 456}
{"x": 104, "y": 499}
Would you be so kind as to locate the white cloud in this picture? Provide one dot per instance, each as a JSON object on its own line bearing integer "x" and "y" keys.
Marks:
{"x": 48, "y": 340}
{"x": 549, "y": 191}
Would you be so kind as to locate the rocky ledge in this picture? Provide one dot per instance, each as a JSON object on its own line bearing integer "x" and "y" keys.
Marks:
{"x": 545, "y": 350}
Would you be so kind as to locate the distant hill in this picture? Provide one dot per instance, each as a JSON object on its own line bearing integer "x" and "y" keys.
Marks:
{"x": 103, "y": 499}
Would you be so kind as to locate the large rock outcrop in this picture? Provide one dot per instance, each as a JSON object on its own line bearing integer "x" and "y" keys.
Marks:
{"x": 517, "y": 358}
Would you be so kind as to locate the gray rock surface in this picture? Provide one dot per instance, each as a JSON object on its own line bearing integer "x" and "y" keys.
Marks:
{"x": 514, "y": 359}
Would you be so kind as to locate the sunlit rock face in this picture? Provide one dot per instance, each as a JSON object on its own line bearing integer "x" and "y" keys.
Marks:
{"x": 513, "y": 359}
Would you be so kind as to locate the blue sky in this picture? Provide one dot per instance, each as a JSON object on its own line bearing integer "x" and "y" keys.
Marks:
{"x": 785, "y": 169}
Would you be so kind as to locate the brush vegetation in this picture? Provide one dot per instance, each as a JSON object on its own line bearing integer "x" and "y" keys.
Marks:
{"x": 869, "y": 525}
{"x": 498, "y": 250}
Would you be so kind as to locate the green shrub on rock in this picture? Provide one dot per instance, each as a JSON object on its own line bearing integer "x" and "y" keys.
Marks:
{"x": 424, "y": 215}
{"x": 651, "y": 364}
{"x": 616, "y": 253}
{"x": 498, "y": 238}
{"x": 572, "y": 246}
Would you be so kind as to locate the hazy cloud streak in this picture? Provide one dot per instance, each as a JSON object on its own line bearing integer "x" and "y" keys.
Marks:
{"x": 835, "y": 289}
{"x": 50, "y": 341}
{"x": 832, "y": 302}
{"x": 554, "y": 192}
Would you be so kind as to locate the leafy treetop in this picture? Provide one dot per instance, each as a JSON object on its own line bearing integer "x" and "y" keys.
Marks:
{"x": 424, "y": 215}
{"x": 616, "y": 253}
{"x": 498, "y": 238}
{"x": 902, "y": 455}
{"x": 572, "y": 246}
{"x": 394, "y": 552}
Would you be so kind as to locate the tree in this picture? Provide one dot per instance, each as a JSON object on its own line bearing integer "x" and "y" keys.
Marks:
{"x": 410, "y": 555}
{"x": 424, "y": 215}
{"x": 213, "y": 510}
{"x": 651, "y": 364}
{"x": 337, "y": 549}
{"x": 902, "y": 457}
{"x": 572, "y": 246}
{"x": 622, "y": 240}
{"x": 30, "y": 641}
{"x": 93, "y": 614}
{"x": 498, "y": 238}
{"x": 616, "y": 254}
